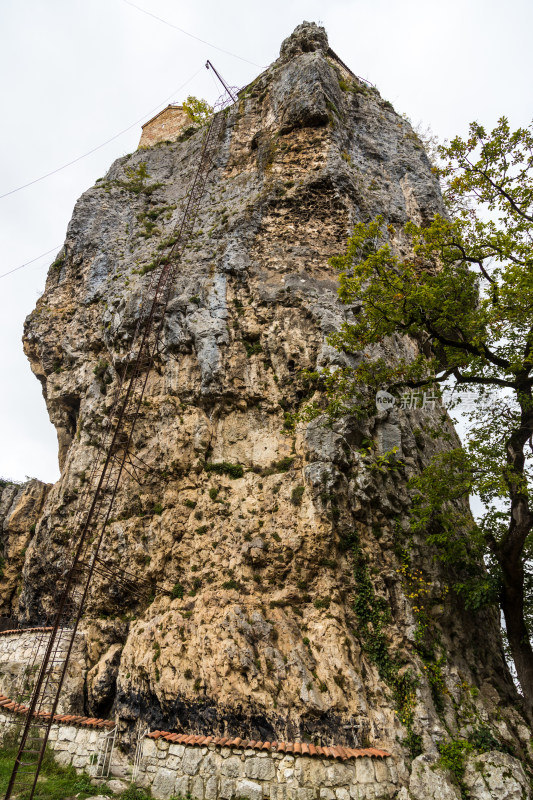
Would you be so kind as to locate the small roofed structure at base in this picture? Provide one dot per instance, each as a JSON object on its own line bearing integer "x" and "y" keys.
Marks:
{"x": 166, "y": 126}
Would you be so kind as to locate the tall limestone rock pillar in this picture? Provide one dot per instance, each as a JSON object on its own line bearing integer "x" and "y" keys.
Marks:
{"x": 302, "y": 606}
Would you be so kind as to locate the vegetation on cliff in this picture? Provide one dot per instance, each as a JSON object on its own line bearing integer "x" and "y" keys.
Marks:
{"x": 462, "y": 287}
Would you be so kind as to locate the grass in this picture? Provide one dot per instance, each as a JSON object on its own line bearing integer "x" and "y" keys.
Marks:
{"x": 63, "y": 783}
{"x": 55, "y": 782}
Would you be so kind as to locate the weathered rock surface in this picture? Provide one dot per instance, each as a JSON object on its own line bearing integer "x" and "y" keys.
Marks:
{"x": 20, "y": 508}
{"x": 262, "y": 637}
{"x": 102, "y": 680}
{"x": 428, "y": 782}
{"x": 496, "y": 775}
{"x": 487, "y": 776}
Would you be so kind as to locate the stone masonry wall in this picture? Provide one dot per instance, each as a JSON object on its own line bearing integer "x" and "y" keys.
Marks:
{"x": 209, "y": 773}
{"x": 165, "y": 127}
{"x": 18, "y": 650}
{"x": 72, "y": 745}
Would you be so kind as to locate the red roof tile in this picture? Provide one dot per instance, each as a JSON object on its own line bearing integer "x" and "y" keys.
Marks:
{"x": 298, "y": 748}
{"x": 24, "y": 630}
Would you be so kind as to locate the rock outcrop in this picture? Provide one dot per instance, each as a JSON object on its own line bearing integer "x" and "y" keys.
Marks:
{"x": 20, "y": 508}
{"x": 301, "y": 604}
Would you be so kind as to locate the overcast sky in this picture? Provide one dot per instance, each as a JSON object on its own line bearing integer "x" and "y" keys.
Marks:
{"x": 77, "y": 72}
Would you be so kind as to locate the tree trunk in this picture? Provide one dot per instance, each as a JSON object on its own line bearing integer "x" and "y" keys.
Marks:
{"x": 510, "y": 551}
{"x": 512, "y": 603}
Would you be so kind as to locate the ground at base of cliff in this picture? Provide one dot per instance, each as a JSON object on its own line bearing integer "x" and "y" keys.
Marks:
{"x": 64, "y": 783}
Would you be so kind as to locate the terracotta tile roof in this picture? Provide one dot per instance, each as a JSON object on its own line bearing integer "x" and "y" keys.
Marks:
{"x": 63, "y": 719}
{"x": 301, "y": 748}
{"x": 25, "y": 630}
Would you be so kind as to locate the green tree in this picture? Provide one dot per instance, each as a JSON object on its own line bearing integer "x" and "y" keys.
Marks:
{"x": 464, "y": 297}
{"x": 198, "y": 110}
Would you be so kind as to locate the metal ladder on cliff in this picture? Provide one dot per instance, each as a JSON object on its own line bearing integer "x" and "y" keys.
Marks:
{"x": 94, "y": 509}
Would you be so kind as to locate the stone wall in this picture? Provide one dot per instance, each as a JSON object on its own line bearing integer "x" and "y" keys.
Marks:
{"x": 72, "y": 744}
{"x": 209, "y": 773}
{"x": 21, "y": 652}
{"x": 165, "y": 126}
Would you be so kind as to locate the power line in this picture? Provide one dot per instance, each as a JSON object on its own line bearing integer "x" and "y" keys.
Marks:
{"x": 171, "y": 25}
{"x": 99, "y": 147}
{"x": 27, "y": 263}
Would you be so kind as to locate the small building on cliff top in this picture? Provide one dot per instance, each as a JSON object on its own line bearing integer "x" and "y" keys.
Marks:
{"x": 166, "y": 126}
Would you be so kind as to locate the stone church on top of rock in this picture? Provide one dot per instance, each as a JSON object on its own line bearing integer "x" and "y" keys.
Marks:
{"x": 166, "y": 126}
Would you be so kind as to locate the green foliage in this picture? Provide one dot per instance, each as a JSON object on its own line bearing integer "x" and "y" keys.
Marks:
{"x": 283, "y": 465}
{"x": 440, "y": 511}
{"x": 463, "y": 290}
{"x": 157, "y": 509}
{"x": 213, "y": 493}
{"x": 177, "y": 591}
{"x": 232, "y": 584}
{"x": 58, "y": 263}
{"x": 252, "y": 348}
{"x": 452, "y": 757}
{"x": 297, "y": 495}
{"x": 137, "y": 180}
{"x": 198, "y": 110}
{"x": 149, "y": 219}
{"x": 55, "y": 783}
{"x": 427, "y": 637}
{"x": 372, "y": 615}
{"x": 483, "y": 740}
{"x": 189, "y": 503}
{"x": 133, "y": 793}
{"x": 225, "y": 468}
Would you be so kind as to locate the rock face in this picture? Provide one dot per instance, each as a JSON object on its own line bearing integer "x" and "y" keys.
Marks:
{"x": 20, "y": 508}
{"x": 302, "y": 607}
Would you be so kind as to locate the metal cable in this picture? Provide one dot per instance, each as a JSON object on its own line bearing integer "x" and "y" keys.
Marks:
{"x": 99, "y": 147}
{"x": 181, "y": 30}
